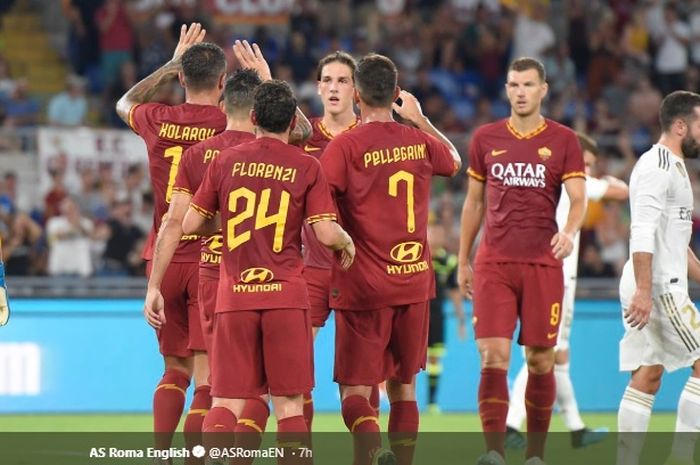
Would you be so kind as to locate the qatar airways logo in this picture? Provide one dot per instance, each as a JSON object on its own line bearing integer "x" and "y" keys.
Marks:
{"x": 519, "y": 174}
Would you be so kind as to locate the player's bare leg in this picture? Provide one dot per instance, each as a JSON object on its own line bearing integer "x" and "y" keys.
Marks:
{"x": 687, "y": 421}
{"x": 540, "y": 394}
{"x": 403, "y": 419}
{"x": 360, "y": 418}
{"x": 292, "y": 432}
{"x": 493, "y": 396}
{"x": 201, "y": 402}
{"x": 635, "y": 411}
{"x": 169, "y": 398}
{"x": 308, "y": 396}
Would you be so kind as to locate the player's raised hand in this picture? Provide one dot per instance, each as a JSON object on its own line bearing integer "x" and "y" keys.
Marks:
{"x": 154, "y": 308}
{"x": 347, "y": 255}
{"x": 465, "y": 279}
{"x": 639, "y": 311}
{"x": 188, "y": 37}
{"x": 562, "y": 245}
{"x": 250, "y": 56}
{"x": 410, "y": 108}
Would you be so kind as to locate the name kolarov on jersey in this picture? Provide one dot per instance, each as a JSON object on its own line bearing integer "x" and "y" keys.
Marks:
{"x": 520, "y": 174}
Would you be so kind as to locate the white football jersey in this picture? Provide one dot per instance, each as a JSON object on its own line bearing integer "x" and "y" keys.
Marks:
{"x": 661, "y": 204}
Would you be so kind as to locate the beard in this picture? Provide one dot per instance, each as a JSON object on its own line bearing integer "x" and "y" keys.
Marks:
{"x": 690, "y": 148}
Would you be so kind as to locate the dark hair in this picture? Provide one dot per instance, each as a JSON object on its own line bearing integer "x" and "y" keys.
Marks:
{"x": 587, "y": 143}
{"x": 239, "y": 91}
{"x": 375, "y": 79}
{"x": 274, "y": 106}
{"x": 339, "y": 57}
{"x": 679, "y": 104}
{"x": 525, "y": 63}
{"x": 202, "y": 65}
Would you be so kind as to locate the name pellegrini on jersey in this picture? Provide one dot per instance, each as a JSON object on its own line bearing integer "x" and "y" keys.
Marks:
{"x": 520, "y": 174}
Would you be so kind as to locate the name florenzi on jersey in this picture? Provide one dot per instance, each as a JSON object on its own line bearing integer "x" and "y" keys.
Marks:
{"x": 177, "y": 132}
{"x": 394, "y": 155}
{"x": 264, "y": 170}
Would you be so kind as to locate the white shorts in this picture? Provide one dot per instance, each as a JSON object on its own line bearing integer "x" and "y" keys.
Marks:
{"x": 567, "y": 314}
{"x": 671, "y": 338}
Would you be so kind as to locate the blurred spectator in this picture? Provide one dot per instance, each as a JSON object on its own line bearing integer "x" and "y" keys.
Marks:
{"x": 7, "y": 84}
{"x": 120, "y": 257}
{"x": 644, "y": 102}
{"x": 126, "y": 80}
{"x": 694, "y": 23}
{"x": 69, "y": 237}
{"x": 612, "y": 236}
{"x": 672, "y": 55}
{"x": 83, "y": 36}
{"x": 533, "y": 35}
{"x": 57, "y": 192}
{"x": 561, "y": 71}
{"x": 69, "y": 108}
{"x": 116, "y": 38}
{"x": 593, "y": 266}
{"x": 635, "y": 41}
{"x": 21, "y": 110}
{"x": 21, "y": 238}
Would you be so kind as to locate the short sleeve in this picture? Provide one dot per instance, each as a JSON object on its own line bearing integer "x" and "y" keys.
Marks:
{"x": 183, "y": 181}
{"x": 574, "y": 167}
{"x": 477, "y": 167}
{"x": 596, "y": 188}
{"x": 334, "y": 164}
{"x": 206, "y": 200}
{"x": 440, "y": 157}
{"x": 319, "y": 204}
{"x": 141, "y": 117}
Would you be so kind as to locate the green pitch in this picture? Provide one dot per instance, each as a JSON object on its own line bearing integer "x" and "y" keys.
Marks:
{"x": 323, "y": 422}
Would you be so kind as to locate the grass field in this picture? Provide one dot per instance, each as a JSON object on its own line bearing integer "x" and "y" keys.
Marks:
{"x": 323, "y": 422}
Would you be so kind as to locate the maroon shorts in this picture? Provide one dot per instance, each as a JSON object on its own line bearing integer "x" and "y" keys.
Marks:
{"x": 375, "y": 345}
{"x": 182, "y": 333}
{"x": 318, "y": 283}
{"x": 504, "y": 292}
{"x": 208, "y": 287}
{"x": 256, "y": 351}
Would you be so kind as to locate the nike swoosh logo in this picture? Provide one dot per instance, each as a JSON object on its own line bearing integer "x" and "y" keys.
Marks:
{"x": 551, "y": 335}
{"x": 495, "y": 153}
{"x": 308, "y": 148}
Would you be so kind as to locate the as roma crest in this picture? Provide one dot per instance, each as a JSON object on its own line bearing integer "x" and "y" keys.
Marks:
{"x": 544, "y": 153}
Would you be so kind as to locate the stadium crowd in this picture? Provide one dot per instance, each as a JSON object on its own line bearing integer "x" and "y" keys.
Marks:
{"x": 608, "y": 62}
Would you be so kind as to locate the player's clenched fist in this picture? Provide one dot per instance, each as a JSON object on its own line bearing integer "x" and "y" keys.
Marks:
{"x": 562, "y": 245}
{"x": 465, "y": 278}
{"x": 639, "y": 311}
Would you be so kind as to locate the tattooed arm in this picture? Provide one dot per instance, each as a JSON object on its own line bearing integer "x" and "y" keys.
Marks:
{"x": 149, "y": 86}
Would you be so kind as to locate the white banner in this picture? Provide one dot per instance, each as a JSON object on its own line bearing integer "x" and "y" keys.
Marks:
{"x": 72, "y": 150}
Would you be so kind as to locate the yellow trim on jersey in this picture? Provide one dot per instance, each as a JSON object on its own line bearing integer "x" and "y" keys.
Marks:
{"x": 202, "y": 211}
{"x": 327, "y": 133}
{"x": 182, "y": 190}
{"x": 574, "y": 174}
{"x": 475, "y": 175}
{"x": 130, "y": 121}
{"x": 529, "y": 135}
{"x": 321, "y": 217}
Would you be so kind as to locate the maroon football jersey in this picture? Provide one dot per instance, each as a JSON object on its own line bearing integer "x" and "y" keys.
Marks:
{"x": 190, "y": 174}
{"x": 524, "y": 174}
{"x": 264, "y": 191}
{"x": 315, "y": 254}
{"x": 380, "y": 175}
{"x": 168, "y": 131}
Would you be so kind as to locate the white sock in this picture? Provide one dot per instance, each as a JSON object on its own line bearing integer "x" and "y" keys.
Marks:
{"x": 632, "y": 423}
{"x": 566, "y": 399}
{"x": 516, "y": 408}
{"x": 687, "y": 422}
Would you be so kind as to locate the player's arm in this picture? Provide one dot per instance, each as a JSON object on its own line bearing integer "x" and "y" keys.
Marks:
{"x": 144, "y": 90}
{"x": 648, "y": 204}
{"x": 196, "y": 221}
{"x": 563, "y": 241}
{"x": 615, "y": 189}
{"x": 410, "y": 110}
{"x": 332, "y": 235}
{"x": 693, "y": 266}
{"x": 167, "y": 241}
{"x": 250, "y": 56}
{"x": 472, "y": 215}
{"x": 458, "y": 304}
{"x": 4, "y": 303}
